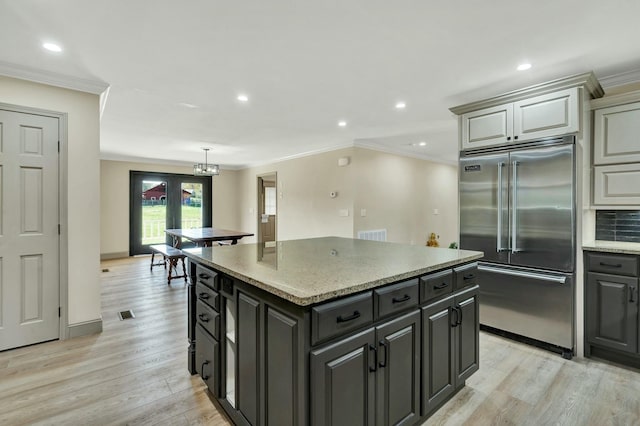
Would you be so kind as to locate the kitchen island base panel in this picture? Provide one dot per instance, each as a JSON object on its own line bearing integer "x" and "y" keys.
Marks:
{"x": 280, "y": 378}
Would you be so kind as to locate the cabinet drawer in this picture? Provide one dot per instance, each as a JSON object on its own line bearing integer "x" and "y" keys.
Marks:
{"x": 465, "y": 276}
{"x": 613, "y": 264}
{"x": 207, "y": 277}
{"x": 435, "y": 285}
{"x": 335, "y": 318}
{"x": 208, "y": 318}
{"x": 208, "y": 296}
{"x": 395, "y": 298}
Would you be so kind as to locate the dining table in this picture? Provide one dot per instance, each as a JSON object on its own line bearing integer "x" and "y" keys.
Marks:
{"x": 205, "y": 237}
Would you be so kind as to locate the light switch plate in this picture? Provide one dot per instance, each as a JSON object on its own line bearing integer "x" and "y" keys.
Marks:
{"x": 343, "y": 212}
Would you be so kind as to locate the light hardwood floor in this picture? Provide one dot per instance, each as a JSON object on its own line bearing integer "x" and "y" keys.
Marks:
{"x": 135, "y": 372}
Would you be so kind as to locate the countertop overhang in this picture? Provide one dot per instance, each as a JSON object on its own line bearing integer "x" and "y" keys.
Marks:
{"x": 621, "y": 247}
{"x": 310, "y": 271}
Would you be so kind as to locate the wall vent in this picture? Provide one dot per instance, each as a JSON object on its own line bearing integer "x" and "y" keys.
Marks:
{"x": 373, "y": 235}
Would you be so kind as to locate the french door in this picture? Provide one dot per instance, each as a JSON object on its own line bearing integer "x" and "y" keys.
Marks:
{"x": 160, "y": 201}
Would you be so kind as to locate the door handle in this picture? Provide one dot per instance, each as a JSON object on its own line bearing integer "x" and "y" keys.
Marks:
{"x": 203, "y": 318}
{"x": 383, "y": 344}
{"x": 375, "y": 359}
{"x": 632, "y": 290}
{"x": 514, "y": 210}
{"x": 459, "y": 310}
{"x": 499, "y": 224}
{"x": 455, "y": 322}
{"x": 203, "y": 296}
{"x": 440, "y": 286}
{"x": 204, "y": 376}
{"x": 611, "y": 265}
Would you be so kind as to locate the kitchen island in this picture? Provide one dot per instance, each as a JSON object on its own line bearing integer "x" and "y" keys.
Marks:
{"x": 332, "y": 330}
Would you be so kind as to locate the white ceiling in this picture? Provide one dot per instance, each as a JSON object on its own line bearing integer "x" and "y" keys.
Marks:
{"x": 305, "y": 65}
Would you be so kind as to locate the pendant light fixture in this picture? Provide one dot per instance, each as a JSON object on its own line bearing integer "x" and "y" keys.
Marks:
{"x": 206, "y": 169}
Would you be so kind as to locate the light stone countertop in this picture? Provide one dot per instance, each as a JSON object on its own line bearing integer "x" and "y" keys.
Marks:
{"x": 622, "y": 247}
{"x": 313, "y": 270}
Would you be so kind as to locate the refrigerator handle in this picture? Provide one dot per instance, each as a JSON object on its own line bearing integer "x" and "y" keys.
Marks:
{"x": 514, "y": 210}
{"x": 499, "y": 233}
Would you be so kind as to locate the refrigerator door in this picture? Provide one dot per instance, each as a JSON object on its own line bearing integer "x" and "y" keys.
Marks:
{"x": 484, "y": 204}
{"x": 542, "y": 208}
{"x": 532, "y": 303}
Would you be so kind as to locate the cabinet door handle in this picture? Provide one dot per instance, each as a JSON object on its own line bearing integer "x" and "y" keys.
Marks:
{"x": 440, "y": 286}
{"x": 401, "y": 299}
{"x": 611, "y": 265}
{"x": 356, "y": 314}
{"x": 455, "y": 322}
{"x": 203, "y": 318}
{"x": 375, "y": 359}
{"x": 204, "y": 376}
{"x": 203, "y": 276}
{"x": 383, "y": 363}
{"x": 203, "y": 296}
{"x": 459, "y": 310}
{"x": 632, "y": 290}
{"x": 468, "y": 277}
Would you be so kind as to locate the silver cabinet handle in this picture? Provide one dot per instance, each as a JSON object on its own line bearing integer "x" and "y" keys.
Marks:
{"x": 499, "y": 233}
{"x": 514, "y": 210}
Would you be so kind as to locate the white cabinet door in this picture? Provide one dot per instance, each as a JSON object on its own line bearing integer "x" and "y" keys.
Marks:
{"x": 552, "y": 114}
{"x": 486, "y": 127}
{"x": 617, "y": 185}
{"x": 617, "y": 134}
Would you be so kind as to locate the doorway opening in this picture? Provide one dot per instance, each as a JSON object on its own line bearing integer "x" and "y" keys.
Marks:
{"x": 267, "y": 208}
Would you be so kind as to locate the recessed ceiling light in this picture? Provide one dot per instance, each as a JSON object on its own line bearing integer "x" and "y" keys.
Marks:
{"x": 342, "y": 123}
{"x": 401, "y": 105}
{"x": 524, "y": 67}
{"x": 243, "y": 98}
{"x": 186, "y": 105}
{"x": 52, "y": 47}
{"x": 422, "y": 143}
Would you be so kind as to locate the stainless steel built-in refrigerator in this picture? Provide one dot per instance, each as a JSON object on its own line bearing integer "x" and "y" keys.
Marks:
{"x": 517, "y": 205}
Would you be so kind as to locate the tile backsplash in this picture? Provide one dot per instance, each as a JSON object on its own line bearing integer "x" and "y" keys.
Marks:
{"x": 618, "y": 225}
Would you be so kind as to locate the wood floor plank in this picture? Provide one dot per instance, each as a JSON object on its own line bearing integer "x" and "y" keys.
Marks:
{"x": 135, "y": 372}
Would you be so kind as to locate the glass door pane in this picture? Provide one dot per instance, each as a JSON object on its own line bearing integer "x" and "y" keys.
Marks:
{"x": 191, "y": 205}
{"x": 154, "y": 212}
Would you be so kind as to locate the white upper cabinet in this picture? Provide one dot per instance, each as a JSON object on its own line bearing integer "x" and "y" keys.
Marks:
{"x": 545, "y": 110}
{"x": 551, "y": 114}
{"x": 488, "y": 126}
{"x": 616, "y": 151}
{"x": 617, "y": 134}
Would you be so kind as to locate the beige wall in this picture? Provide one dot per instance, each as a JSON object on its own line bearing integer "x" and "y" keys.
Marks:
{"x": 114, "y": 201}
{"x": 305, "y": 208}
{"x": 398, "y": 193}
{"x": 82, "y": 191}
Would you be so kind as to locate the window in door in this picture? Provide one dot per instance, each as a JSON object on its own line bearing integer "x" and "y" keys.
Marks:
{"x": 160, "y": 201}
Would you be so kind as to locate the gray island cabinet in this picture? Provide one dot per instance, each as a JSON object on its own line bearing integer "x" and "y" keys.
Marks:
{"x": 331, "y": 331}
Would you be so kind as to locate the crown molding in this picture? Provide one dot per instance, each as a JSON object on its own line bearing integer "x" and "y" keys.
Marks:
{"x": 587, "y": 80}
{"x": 53, "y": 79}
{"x": 620, "y": 79}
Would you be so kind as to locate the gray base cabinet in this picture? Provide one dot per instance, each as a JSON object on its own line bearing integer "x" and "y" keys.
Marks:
{"x": 450, "y": 351}
{"x": 377, "y": 368}
{"x": 358, "y": 359}
{"x": 612, "y": 314}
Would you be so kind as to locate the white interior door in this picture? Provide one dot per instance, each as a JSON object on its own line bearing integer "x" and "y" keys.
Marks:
{"x": 29, "y": 239}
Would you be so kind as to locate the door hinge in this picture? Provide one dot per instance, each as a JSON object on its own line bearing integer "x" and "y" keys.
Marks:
{"x": 59, "y": 311}
{"x": 59, "y": 229}
{"x": 58, "y": 146}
